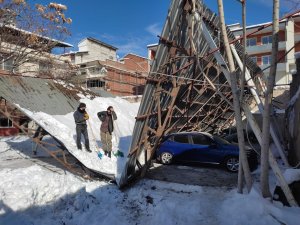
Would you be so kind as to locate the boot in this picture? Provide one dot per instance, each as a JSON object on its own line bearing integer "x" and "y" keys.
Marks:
{"x": 109, "y": 154}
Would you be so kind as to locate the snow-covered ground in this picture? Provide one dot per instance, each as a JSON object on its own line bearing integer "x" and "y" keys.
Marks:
{"x": 34, "y": 194}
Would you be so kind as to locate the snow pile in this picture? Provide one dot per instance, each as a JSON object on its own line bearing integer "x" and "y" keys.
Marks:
{"x": 291, "y": 175}
{"x": 63, "y": 128}
{"x": 253, "y": 209}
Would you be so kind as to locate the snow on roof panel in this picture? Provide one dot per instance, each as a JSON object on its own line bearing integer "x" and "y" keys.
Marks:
{"x": 51, "y": 105}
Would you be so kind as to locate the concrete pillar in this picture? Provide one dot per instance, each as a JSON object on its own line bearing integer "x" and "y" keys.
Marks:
{"x": 290, "y": 57}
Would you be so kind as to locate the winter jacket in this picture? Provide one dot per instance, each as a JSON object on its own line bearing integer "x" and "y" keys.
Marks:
{"x": 103, "y": 118}
{"x": 80, "y": 117}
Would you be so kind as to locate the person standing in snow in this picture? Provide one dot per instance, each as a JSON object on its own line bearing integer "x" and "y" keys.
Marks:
{"x": 80, "y": 117}
{"x": 106, "y": 129}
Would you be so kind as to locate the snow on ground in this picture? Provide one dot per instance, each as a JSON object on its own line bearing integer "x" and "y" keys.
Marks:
{"x": 31, "y": 194}
{"x": 63, "y": 128}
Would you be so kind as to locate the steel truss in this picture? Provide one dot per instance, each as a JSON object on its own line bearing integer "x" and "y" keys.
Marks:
{"x": 56, "y": 151}
{"x": 187, "y": 88}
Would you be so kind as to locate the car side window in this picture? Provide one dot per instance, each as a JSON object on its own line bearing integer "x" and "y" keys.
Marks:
{"x": 201, "y": 140}
{"x": 171, "y": 138}
{"x": 181, "y": 138}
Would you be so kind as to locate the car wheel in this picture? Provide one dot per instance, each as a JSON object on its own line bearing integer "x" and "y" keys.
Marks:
{"x": 232, "y": 164}
{"x": 166, "y": 158}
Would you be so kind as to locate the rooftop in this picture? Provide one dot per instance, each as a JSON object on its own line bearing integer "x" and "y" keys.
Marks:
{"x": 99, "y": 42}
{"x": 58, "y": 43}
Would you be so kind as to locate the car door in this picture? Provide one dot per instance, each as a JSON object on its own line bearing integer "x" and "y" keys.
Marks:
{"x": 174, "y": 144}
{"x": 183, "y": 148}
{"x": 205, "y": 149}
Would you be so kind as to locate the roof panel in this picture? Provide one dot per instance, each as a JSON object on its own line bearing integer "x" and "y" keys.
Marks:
{"x": 37, "y": 95}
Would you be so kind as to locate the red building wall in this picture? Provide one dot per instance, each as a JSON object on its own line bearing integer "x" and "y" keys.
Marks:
{"x": 127, "y": 77}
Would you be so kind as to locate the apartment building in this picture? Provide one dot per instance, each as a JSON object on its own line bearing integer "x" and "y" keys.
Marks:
{"x": 30, "y": 58}
{"x": 259, "y": 47}
{"x": 99, "y": 69}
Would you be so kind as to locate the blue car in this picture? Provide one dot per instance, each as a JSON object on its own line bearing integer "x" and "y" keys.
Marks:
{"x": 200, "y": 147}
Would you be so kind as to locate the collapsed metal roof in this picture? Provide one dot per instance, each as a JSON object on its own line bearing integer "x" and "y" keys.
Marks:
{"x": 187, "y": 91}
{"x": 49, "y": 103}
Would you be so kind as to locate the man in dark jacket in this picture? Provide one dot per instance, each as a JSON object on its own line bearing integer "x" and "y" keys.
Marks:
{"x": 80, "y": 117}
{"x": 106, "y": 129}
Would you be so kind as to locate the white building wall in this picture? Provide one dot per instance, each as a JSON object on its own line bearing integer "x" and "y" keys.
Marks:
{"x": 290, "y": 57}
{"x": 284, "y": 70}
{"x": 94, "y": 51}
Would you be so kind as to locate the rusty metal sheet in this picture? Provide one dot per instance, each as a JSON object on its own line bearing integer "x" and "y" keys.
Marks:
{"x": 38, "y": 95}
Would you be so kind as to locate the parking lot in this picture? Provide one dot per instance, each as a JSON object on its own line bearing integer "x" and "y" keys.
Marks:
{"x": 208, "y": 175}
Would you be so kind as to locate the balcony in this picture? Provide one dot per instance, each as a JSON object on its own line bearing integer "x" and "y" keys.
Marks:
{"x": 281, "y": 67}
{"x": 93, "y": 72}
{"x": 257, "y": 49}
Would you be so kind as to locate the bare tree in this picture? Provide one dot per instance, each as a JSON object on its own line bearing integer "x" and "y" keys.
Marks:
{"x": 233, "y": 81}
{"x": 267, "y": 107}
{"x": 28, "y": 33}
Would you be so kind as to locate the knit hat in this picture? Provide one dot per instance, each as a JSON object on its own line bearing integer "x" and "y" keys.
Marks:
{"x": 109, "y": 107}
{"x": 81, "y": 105}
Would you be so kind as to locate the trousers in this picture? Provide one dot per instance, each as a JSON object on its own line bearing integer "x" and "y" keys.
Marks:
{"x": 106, "y": 141}
{"x": 82, "y": 129}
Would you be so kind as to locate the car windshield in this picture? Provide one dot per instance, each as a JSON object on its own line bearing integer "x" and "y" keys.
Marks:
{"x": 221, "y": 140}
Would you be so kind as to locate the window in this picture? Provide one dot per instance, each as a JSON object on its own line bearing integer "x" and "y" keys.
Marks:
{"x": 254, "y": 59}
{"x": 266, "y": 40}
{"x": 6, "y": 64}
{"x": 201, "y": 140}
{"x": 251, "y": 42}
{"x": 73, "y": 59}
{"x": 266, "y": 60}
{"x": 5, "y": 122}
{"x": 45, "y": 66}
{"x": 95, "y": 83}
{"x": 181, "y": 138}
{"x": 82, "y": 69}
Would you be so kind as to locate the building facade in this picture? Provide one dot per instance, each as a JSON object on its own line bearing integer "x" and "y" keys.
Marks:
{"x": 31, "y": 58}
{"x": 259, "y": 47}
{"x": 99, "y": 69}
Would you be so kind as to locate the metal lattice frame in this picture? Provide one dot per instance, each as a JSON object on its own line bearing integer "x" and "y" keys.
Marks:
{"x": 59, "y": 153}
{"x": 186, "y": 89}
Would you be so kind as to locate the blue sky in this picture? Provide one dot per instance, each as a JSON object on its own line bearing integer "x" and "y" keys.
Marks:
{"x": 130, "y": 25}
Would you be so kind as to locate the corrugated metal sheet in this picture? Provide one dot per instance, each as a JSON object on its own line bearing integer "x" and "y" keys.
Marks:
{"x": 38, "y": 95}
{"x": 197, "y": 105}
{"x": 35, "y": 95}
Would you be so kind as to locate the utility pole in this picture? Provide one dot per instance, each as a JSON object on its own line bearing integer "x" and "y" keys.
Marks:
{"x": 242, "y": 80}
{"x": 233, "y": 80}
{"x": 264, "y": 177}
